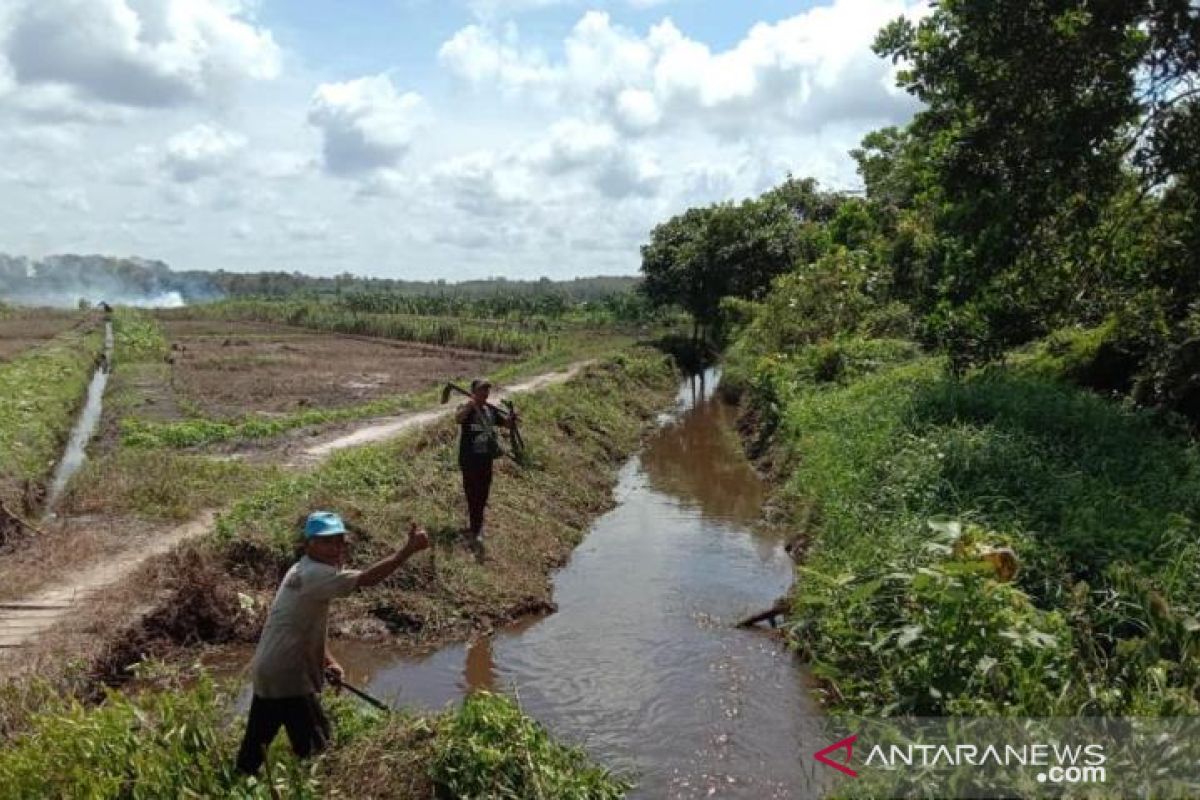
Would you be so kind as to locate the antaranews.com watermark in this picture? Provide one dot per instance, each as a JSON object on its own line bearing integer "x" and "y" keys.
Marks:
{"x": 994, "y": 758}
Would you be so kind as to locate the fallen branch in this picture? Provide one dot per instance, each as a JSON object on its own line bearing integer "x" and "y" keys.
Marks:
{"x": 778, "y": 610}
{"x": 7, "y": 517}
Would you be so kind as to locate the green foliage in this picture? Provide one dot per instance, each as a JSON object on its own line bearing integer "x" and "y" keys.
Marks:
{"x": 489, "y": 749}
{"x": 175, "y": 741}
{"x": 200, "y": 431}
{"x": 160, "y": 484}
{"x": 697, "y": 258}
{"x": 160, "y": 745}
{"x": 137, "y": 337}
{"x": 816, "y": 301}
{"x": 1095, "y": 500}
{"x": 1020, "y": 166}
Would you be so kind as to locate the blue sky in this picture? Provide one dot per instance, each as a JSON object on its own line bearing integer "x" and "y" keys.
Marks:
{"x": 415, "y": 138}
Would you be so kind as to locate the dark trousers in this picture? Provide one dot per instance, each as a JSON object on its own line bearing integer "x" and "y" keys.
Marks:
{"x": 477, "y": 484}
{"x": 302, "y": 717}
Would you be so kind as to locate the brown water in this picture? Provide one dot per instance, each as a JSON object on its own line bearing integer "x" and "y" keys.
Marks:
{"x": 641, "y": 664}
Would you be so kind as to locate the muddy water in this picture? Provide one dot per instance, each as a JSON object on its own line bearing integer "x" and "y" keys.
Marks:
{"x": 641, "y": 663}
{"x": 85, "y": 426}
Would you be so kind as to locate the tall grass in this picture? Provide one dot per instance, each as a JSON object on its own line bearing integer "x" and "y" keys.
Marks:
{"x": 918, "y": 484}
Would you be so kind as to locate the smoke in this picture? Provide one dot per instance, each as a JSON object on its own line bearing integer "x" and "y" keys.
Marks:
{"x": 65, "y": 281}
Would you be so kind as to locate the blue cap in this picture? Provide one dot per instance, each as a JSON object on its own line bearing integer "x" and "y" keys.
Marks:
{"x": 323, "y": 523}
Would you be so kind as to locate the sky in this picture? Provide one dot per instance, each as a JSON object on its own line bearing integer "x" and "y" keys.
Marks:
{"x": 419, "y": 139}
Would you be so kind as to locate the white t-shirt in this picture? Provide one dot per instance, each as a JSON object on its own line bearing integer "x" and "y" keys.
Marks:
{"x": 290, "y": 658}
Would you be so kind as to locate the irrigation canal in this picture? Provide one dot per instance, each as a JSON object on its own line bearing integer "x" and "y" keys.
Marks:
{"x": 642, "y": 664}
{"x": 85, "y": 425}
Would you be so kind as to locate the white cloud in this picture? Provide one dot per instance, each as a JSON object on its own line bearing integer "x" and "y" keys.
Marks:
{"x": 142, "y": 53}
{"x": 201, "y": 151}
{"x": 367, "y": 125}
{"x": 804, "y": 72}
{"x": 616, "y": 168}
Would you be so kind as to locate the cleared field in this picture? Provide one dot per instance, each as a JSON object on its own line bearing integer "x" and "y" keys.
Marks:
{"x": 226, "y": 369}
{"x": 23, "y": 330}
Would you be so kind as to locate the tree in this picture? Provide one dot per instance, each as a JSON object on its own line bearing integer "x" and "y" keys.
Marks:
{"x": 697, "y": 258}
{"x": 1034, "y": 112}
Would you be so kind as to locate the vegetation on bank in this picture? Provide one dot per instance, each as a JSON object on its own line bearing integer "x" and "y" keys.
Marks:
{"x": 168, "y": 742}
{"x": 181, "y": 742}
{"x": 40, "y": 391}
{"x": 1002, "y": 544}
{"x": 198, "y": 431}
{"x": 946, "y": 371}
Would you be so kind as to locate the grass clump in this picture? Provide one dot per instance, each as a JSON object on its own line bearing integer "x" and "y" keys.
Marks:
{"x": 137, "y": 337}
{"x": 489, "y": 749}
{"x": 925, "y": 491}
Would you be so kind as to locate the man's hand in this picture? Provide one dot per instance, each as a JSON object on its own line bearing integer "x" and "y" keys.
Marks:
{"x": 334, "y": 672}
{"x": 418, "y": 539}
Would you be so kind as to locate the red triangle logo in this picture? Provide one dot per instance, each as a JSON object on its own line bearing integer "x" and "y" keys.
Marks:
{"x": 846, "y": 744}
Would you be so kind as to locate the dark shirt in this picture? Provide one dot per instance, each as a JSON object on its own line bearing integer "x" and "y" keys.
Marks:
{"x": 478, "y": 443}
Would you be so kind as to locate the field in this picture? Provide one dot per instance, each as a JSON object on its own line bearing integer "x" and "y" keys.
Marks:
{"x": 172, "y": 374}
{"x": 22, "y": 330}
{"x": 228, "y": 369}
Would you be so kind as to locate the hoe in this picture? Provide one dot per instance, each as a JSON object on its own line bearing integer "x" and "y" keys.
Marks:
{"x": 517, "y": 441}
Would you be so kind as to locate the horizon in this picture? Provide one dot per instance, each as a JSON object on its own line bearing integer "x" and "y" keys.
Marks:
{"x": 420, "y": 141}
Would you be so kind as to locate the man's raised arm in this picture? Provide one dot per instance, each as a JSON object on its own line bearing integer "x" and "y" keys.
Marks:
{"x": 378, "y": 572}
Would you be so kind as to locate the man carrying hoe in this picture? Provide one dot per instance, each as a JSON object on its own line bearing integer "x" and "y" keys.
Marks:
{"x": 292, "y": 661}
{"x": 478, "y": 446}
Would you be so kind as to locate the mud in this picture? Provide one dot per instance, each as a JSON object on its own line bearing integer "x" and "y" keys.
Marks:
{"x": 26, "y": 330}
{"x": 228, "y": 369}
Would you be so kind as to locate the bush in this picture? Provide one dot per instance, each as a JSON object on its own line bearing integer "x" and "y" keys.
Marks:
{"x": 1098, "y": 502}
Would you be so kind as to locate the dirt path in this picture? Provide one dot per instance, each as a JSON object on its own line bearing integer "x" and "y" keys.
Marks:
{"x": 23, "y": 620}
{"x": 382, "y": 429}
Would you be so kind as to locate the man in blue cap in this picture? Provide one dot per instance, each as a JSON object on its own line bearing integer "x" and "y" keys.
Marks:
{"x": 292, "y": 659}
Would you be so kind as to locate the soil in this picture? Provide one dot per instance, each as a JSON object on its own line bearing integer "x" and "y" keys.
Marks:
{"x": 25, "y": 331}
{"x": 228, "y": 369}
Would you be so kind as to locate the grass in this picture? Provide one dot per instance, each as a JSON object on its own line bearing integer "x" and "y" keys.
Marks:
{"x": 178, "y": 740}
{"x": 40, "y": 392}
{"x": 161, "y": 485}
{"x": 197, "y": 432}
{"x": 923, "y": 491}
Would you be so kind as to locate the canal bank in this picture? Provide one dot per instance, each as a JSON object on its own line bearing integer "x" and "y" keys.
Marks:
{"x": 642, "y": 663}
